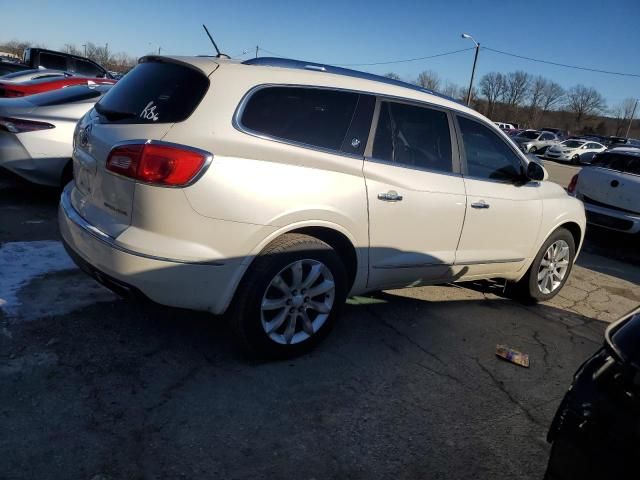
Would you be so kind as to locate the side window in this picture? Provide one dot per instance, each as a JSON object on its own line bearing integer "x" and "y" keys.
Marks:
{"x": 311, "y": 116}
{"x": 487, "y": 155}
{"x": 88, "y": 69}
{"x": 413, "y": 136}
{"x": 546, "y": 136}
{"x": 55, "y": 62}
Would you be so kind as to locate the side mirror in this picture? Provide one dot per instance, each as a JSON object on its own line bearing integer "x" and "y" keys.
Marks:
{"x": 536, "y": 172}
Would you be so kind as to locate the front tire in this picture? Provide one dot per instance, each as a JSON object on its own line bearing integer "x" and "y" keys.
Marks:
{"x": 533, "y": 150}
{"x": 289, "y": 298}
{"x": 550, "y": 268}
{"x": 575, "y": 160}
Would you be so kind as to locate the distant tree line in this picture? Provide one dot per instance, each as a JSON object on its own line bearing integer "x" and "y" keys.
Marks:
{"x": 113, "y": 61}
{"x": 534, "y": 101}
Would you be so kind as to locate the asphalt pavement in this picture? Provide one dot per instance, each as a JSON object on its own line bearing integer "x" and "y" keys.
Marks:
{"x": 406, "y": 386}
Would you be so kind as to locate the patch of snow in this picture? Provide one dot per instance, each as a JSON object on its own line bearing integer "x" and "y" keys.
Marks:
{"x": 25, "y": 263}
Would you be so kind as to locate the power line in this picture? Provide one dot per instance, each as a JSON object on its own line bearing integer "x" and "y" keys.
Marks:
{"x": 382, "y": 63}
{"x": 402, "y": 61}
{"x": 562, "y": 64}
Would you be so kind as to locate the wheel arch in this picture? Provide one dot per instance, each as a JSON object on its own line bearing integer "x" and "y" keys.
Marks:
{"x": 339, "y": 238}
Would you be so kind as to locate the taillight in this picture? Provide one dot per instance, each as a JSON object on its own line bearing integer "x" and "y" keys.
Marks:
{"x": 572, "y": 184}
{"x": 156, "y": 164}
{"x": 19, "y": 125}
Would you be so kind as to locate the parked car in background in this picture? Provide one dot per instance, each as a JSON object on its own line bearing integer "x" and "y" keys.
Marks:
{"x": 43, "y": 58}
{"x": 594, "y": 433}
{"x": 505, "y": 126}
{"x": 266, "y": 195}
{"x": 514, "y": 132}
{"x": 534, "y": 141}
{"x": 574, "y": 151}
{"x": 36, "y": 133}
{"x": 11, "y": 89}
{"x": 33, "y": 74}
{"x": 561, "y": 134}
{"x": 610, "y": 189}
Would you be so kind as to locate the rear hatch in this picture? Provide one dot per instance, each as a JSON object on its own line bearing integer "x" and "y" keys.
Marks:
{"x": 144, "y": 105}
{"x": 612, "y": 180}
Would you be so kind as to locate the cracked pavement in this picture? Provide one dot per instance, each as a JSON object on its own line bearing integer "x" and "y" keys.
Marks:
{"x": 406, "y": 386}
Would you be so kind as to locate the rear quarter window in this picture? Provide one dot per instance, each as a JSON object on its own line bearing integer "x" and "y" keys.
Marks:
{"x": 311, "y": 116}
{"x": 155, "y": 92}
{"x": 618, "y": 162}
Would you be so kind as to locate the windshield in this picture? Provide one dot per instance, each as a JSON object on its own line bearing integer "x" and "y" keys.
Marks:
{"x": 573, "y": 144}
{"x": 529, "y": 135}
{"x": 68, "y": 95}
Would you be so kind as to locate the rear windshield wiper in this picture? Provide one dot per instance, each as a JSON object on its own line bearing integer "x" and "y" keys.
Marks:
{"x": 113, "y": 114}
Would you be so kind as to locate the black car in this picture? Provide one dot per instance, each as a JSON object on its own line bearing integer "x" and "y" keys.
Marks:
{"x": 596, "y": 431}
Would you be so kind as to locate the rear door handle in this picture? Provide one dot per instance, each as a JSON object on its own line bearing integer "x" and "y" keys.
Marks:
{"x": 480, "y": 204}
{"x": 390, "y": 196}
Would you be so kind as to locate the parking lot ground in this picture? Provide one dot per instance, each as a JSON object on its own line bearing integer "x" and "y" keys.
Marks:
{"x": 406, "y": 386}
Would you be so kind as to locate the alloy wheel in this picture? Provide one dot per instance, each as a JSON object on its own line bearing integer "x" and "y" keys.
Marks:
{"x": 553, "y": 267}
{"x": 298, "y": 301}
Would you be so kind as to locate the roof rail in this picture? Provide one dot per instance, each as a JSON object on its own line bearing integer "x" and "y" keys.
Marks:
{"x": 318, "y": 67}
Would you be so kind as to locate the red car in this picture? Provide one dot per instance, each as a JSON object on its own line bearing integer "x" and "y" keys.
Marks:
{"x": 23, "y": 89}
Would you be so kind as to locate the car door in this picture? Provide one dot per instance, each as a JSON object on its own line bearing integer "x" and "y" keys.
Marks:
{"x": 503, "y": 211}
{"x": 415, "y": 194}
{"x": 547, "y": 139}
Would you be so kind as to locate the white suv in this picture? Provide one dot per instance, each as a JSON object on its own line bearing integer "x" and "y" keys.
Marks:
{"x": 272, "y": 189}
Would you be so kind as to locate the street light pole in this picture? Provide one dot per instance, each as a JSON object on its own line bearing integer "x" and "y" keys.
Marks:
{"x": 631, "y": 119}
{"x": 473, "y": 70}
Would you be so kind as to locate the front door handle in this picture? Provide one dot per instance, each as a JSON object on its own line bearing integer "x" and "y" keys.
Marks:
{"x": 480, "y": 204}
{"x": 390, "y": 196}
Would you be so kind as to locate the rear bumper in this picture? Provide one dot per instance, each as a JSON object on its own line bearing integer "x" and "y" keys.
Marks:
{"x": 197, "y": 286}
{"x": 612, "y": 219}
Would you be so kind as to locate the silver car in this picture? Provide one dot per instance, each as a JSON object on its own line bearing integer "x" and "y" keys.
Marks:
{"x": 36, "y": 133}
{"x": 533, "y": 141}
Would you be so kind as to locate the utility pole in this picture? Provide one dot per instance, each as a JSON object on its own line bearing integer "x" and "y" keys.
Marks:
{"x": 106, "y": 52}
{"x": 257, "y": 48}
{"x": 473, "y": 70}
{"x": 159, "y": 49}
{"x": 631, "y": 119}
{"x": 85, "y": 49}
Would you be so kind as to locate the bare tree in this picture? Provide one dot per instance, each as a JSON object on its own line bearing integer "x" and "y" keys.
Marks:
{"x": 536, "y": 95}
{"x": 584, "y": 101}
{"x": 392, "y": 76}
{"x": 622, "y": 114}
{"x": 429, "y": 79}
{"x": 491, "y": 87}
{"x": 552, "y": 94}
{"x": 454, "y": 90}
{"x": 516, "y": 88}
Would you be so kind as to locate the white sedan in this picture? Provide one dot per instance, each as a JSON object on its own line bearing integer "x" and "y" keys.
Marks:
{"x": 574, "y": 151}
{"x": 610, "y": 189}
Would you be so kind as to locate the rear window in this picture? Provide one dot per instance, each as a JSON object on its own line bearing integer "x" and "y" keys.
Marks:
{"x": 618, "y": 162}
{"x": 67, "y": 95}
{"x": 530, "y": 135}
{"x": 155, "y": 92}
{"x": 311, "y": 116}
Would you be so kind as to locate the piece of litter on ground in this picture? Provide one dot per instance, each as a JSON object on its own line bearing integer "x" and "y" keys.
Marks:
{"x": 513, "y": 356}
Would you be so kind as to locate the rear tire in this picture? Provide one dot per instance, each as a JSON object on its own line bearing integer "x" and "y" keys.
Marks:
{"x": 549, "y": 270}
{"x": 575, "y": 160}
{"x": 533, "y": 150}
{"x": 275, "y": 313}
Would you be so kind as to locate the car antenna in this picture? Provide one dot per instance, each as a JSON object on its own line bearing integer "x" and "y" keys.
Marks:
{"x": 219, "y": 55}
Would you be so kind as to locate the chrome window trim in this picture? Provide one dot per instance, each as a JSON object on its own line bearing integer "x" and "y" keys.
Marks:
{"x": 72, "y": 214}
{"x": 237, "y": 115}
{"x": 207, "y": 155}
{"x": 456, "y": 164}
